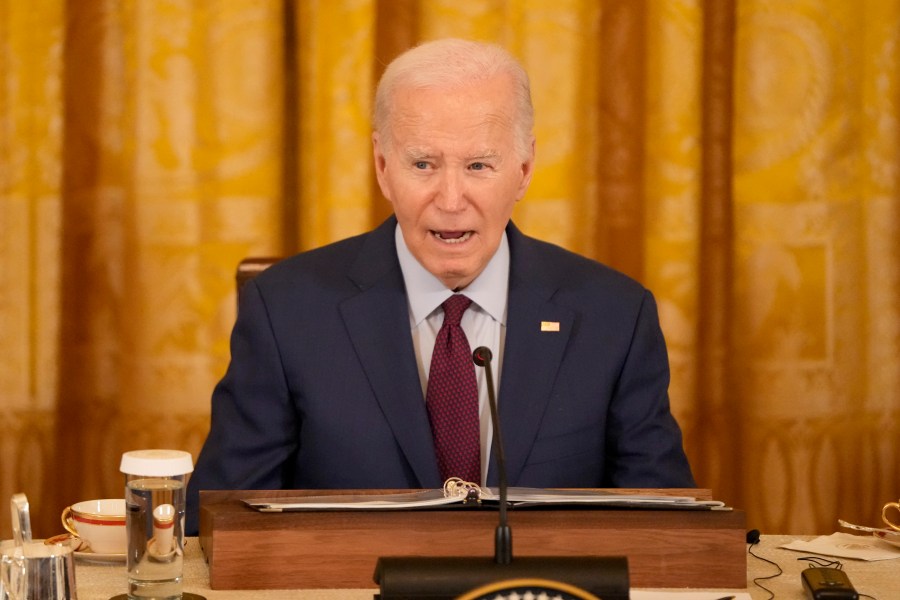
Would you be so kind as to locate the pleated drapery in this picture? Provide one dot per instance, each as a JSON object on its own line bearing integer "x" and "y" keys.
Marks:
{"x": 740, "y": 158}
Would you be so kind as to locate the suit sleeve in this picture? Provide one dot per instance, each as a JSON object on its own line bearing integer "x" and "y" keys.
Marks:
{"x": 644, "y": 440}
{"x": 253, "y": 421}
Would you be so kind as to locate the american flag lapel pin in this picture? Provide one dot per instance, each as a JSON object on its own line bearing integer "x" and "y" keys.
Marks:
{"x": 549, "y": 325}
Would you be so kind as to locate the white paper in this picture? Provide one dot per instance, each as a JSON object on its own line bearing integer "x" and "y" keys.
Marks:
{"x": 687, "y": 595}
{"x": 847, "y": 545}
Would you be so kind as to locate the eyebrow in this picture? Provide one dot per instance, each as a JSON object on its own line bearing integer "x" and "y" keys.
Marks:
{"x": 487, "y": 153}
{"x": 417, "y": 154}
{"x": 422, "y": 154}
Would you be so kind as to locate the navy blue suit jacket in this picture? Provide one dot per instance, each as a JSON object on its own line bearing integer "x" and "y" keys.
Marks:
{"x": 323, "y": 391}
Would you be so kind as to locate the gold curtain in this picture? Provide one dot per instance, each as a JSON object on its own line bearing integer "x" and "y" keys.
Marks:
{"x": 738, "y": 157}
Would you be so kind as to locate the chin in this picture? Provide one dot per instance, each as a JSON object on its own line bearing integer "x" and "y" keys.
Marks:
{"x": 449, "y": 277}
{"x": 453, "y": 269}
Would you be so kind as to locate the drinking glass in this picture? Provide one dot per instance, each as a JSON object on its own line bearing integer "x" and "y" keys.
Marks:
{"x": 155, "y": 487}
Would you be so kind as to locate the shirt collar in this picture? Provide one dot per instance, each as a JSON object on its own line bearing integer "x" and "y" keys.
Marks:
{"x": 425, "y": 292}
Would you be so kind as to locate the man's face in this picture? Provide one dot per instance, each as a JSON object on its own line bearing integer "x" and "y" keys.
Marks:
{"x": 451, "y": 171}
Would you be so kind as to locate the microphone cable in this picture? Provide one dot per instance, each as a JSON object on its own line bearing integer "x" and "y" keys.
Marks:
{"x": 752, "y": 540}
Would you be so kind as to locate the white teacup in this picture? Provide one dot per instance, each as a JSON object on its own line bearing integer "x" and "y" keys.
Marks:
{"x": 100, "y": 523}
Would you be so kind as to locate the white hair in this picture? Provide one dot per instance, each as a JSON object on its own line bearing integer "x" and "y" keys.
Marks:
{"x": 451, "y": 62}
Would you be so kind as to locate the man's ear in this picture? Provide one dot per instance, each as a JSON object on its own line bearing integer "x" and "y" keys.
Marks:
{"x": 380, "y": 162}
{"x": 527, "y": 167}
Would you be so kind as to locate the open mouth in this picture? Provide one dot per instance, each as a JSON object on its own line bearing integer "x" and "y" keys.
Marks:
{"x": 452, "y": 237}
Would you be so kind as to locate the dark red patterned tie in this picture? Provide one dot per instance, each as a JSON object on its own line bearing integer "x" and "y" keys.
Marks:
{"x": 452, "y": 398}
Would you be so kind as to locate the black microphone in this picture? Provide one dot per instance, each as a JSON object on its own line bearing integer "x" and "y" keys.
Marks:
{"x": 503, "y": 538}
{"x": 448, "y": 577}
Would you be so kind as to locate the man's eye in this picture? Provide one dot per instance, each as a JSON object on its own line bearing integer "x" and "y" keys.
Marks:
{"x": 421, "y": 164}
{"x": 478, "y": 166}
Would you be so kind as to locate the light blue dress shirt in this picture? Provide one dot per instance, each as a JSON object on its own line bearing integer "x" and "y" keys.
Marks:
{"x": 484, "y": 323}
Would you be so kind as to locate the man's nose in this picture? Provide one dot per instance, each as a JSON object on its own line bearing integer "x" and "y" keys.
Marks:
{"x": 451, "y": 195}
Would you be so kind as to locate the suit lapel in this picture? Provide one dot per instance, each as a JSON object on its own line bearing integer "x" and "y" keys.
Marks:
{"x": 378, "y": 323}
{"x": 533, "y": 351}
{"x": 377, "y": 320}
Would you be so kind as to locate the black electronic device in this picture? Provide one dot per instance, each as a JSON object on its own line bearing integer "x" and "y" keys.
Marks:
{"x": 753, "y": 536}
{"x": 826, "y": 583}
{"x": 436, "y": 578}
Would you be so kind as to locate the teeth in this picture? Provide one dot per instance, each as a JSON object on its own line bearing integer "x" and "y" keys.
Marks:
{"x": 458, "y": 240}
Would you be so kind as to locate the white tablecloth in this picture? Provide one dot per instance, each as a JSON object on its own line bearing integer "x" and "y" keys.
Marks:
{"x": 880, "y": 580}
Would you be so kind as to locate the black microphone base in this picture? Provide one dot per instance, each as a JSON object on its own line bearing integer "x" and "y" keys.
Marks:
{"x": 433, "y": 578}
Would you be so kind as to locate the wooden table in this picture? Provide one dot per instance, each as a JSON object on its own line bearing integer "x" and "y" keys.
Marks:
{"x": 247, "y": 549}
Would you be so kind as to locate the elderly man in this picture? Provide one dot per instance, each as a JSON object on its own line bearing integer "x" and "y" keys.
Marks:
{"x": 351, "y": 364}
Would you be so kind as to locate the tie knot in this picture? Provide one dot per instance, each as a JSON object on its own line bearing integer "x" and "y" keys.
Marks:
{"x": 454, "y": 307}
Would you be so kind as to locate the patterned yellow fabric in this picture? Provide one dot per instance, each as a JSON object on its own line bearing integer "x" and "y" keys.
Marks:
{"x": 146, "y": 147}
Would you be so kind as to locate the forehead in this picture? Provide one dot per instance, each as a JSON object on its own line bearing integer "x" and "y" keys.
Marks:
{"x": 478, "y": 111}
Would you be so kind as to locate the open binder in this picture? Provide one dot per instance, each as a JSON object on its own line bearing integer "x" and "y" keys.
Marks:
{"x": 461, "y": 493}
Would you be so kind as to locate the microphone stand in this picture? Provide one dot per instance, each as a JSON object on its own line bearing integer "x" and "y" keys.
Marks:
{"x": 503, "y": 538}
{"x": 447, "y": 577}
